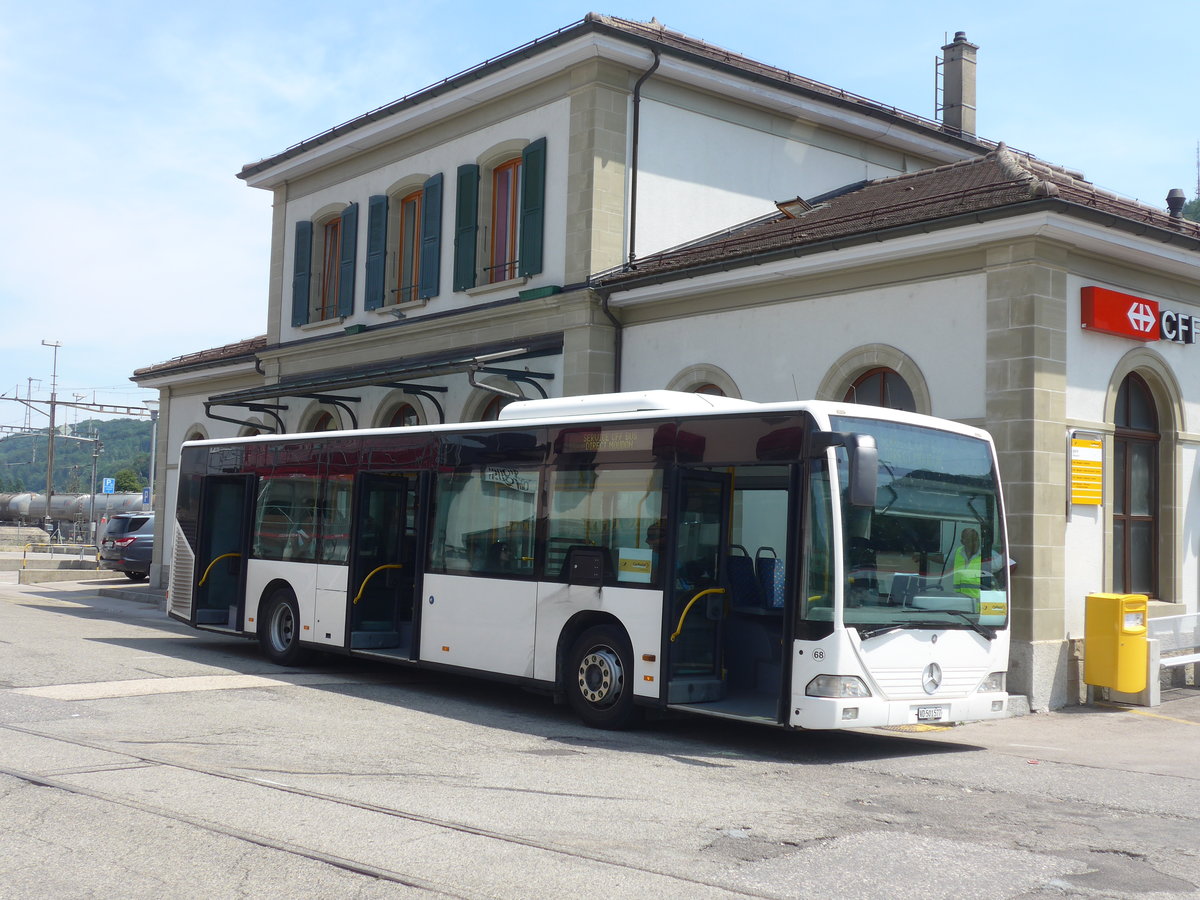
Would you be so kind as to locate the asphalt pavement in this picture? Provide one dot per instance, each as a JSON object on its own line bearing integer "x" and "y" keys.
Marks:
{"x": 1159, "y": 740}
{"x": 164, "y": 754}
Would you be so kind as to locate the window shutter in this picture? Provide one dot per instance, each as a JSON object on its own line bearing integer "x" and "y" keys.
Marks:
{"x": 348, "y": 254}
{"x": 377, "y": 212}
{"x": 466, "y": 226}
{"x": 431, "y": 238}
{"x": 533, "y": 207}
{"x": 302, "y": 272}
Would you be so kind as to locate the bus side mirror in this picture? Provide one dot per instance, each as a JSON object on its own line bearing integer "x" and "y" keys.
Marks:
{"x": 863, "y": 457}
{"x": 864, "y": 469}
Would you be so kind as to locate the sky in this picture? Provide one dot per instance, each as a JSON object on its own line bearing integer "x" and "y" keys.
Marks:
{"x": 129, "y": 240}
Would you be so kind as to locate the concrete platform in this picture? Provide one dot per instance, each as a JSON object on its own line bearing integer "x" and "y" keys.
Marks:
{"x": 16, "y": 564}
{"x": 43, "y": 576}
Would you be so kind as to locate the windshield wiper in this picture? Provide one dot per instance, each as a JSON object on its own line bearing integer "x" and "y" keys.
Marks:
{"x": 881, "y": 629}
{"x": 986, "y": 631}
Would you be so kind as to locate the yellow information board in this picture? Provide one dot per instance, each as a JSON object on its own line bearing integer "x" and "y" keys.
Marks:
{"x": 1087, "y": 470}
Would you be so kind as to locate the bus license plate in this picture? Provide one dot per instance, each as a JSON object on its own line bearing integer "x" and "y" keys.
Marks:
{"x": 929, "y": 713}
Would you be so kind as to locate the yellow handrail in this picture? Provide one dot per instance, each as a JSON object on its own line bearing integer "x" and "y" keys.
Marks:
{"x": 688, "y": 608}
{"x": 204, "y": 577}
{"x": 370, "y": 575}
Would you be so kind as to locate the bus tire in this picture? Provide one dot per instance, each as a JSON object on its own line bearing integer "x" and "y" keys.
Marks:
{"x": 599, "y": 678}
{"x": 279, "y": 629}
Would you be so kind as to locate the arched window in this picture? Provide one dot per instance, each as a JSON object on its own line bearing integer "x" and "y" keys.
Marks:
{"x": 881, "y": 387}
{"x": 403, "y": 416}
{"x": 1135, "y": 489}
{"x": 491, "y": 412}
{"x": 324, "y": 421}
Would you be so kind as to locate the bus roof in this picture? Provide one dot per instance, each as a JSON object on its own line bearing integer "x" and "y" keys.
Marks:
{"x": 601, "y": 408}
{"x": 592, "y": 405}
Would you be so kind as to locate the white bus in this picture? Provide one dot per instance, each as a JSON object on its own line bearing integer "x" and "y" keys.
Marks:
{"x": 804, "y": 565}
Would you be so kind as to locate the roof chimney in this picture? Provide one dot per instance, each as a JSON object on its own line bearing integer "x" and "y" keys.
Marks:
{"x": 1176, "y": 200}
{"x": 958, "y": 106}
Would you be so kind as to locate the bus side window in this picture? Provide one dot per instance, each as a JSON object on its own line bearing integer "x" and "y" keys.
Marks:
{"x": 335, "y": 520}
{"x": 484, "y": 522}
{"x": 614, "y": 512}
{"x": 817, "y": 600}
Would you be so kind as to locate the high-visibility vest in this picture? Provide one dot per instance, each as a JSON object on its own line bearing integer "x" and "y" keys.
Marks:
{"x": 967, "y": 574}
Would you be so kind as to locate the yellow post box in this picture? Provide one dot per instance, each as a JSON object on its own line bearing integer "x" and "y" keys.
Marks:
{"x": 1115, "y": 650}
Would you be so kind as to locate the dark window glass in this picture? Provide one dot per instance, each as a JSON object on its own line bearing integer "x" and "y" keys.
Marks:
{"x": 882, "y": 387}
{"x": 491, "y": 412}
{"x": 1135, "y": 489}
{"x": 403, "y": 417}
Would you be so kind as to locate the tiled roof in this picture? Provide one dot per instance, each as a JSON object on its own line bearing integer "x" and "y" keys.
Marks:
{"x": 241, "y": 350}
{"x": 1001, "y": 180}
{"x": 653, "y": 34}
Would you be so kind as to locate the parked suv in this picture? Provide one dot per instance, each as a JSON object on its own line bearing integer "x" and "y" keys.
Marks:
{"x": 128, "y": 545}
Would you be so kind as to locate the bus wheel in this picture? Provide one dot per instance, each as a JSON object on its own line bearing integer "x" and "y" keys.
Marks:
{"x": 279, "y": 629}
{"x": 599, "y": 678}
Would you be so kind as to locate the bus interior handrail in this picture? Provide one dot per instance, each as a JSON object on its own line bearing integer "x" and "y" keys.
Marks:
{"x": 687, "y": 609}
{"x": 204, "y": 577}
{"x": 362, "y": 587}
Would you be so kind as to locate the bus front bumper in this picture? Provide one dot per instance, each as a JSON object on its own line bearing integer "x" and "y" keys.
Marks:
{"x": 823, "y": 713}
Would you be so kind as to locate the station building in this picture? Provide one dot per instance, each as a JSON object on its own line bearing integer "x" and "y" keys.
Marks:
{"x": 616, "y": 206}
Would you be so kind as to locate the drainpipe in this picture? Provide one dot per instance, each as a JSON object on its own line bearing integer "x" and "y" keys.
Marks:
{"x": 633, "y": 155}
{"x": 618, "y": 341}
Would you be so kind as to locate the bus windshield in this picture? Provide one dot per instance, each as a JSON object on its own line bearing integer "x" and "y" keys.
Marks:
{"x": 931, "y": 552}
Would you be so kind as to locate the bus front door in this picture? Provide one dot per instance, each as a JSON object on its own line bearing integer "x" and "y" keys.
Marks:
{"x": 226, "y": 517}
{"x": 728, "y": 598}
{"x": 386, "y": 559}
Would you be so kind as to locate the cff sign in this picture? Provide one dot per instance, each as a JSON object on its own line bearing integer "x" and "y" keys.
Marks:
{"x": 1125, "y": 315}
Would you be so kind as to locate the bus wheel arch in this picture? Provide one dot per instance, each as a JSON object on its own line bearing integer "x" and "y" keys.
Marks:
{"x": 597, "y": 673}
{"x": 279, "y": 625}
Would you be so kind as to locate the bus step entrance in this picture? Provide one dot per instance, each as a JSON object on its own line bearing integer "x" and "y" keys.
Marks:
{"x": 375, "y": 636}
{"x": 696, "y": 689}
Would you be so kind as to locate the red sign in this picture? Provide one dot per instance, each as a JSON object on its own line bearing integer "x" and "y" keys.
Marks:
{"x": 1116, "y": 313}
{"x": 1124, "y": 315}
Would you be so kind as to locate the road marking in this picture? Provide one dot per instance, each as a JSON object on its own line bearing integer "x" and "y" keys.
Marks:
{"x": 141, "y": 687}
{"x": 915, "y": 728}
{"x": 1151, "y": 715}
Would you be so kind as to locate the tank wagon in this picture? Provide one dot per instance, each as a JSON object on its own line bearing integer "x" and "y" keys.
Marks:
{"x": 67, "y": 511}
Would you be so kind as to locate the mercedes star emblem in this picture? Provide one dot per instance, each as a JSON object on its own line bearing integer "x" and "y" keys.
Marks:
{"x": 931, "y": 678}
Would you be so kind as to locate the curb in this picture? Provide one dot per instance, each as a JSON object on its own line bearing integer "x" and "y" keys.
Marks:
{"x": 145, "y": 595}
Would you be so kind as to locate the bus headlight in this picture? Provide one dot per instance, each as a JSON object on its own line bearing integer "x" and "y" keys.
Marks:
{"x": 994, "y": 683}
{"x": 837, "y": 686}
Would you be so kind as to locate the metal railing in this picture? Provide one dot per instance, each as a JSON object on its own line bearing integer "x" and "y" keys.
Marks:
{"x": 71, "y": 549}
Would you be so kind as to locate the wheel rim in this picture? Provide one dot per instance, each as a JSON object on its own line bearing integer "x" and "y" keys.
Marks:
{"x": 601, "y": 678}
{"x": 283, "y": 627}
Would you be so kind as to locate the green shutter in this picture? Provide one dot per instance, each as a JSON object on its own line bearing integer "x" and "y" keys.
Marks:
{"x": 431, "y": 238}
{"x": 302, "y": 272}
{"x": 466, "y": 226}
{"x": 377, "y": 214}
{"x": 346, "y": 262}
{"x": 533, "y": 208}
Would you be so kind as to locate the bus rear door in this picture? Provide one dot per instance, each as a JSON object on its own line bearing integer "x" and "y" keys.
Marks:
{"x": 695, "y": 596}
{"x": 223, "y": 545}
{"x": 386, "y": 559}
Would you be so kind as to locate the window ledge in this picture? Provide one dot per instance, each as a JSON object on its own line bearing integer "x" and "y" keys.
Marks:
{"x": 407, "y": 307}
{"x": 335, "y": 322}
{"x": 496, "y": 286}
